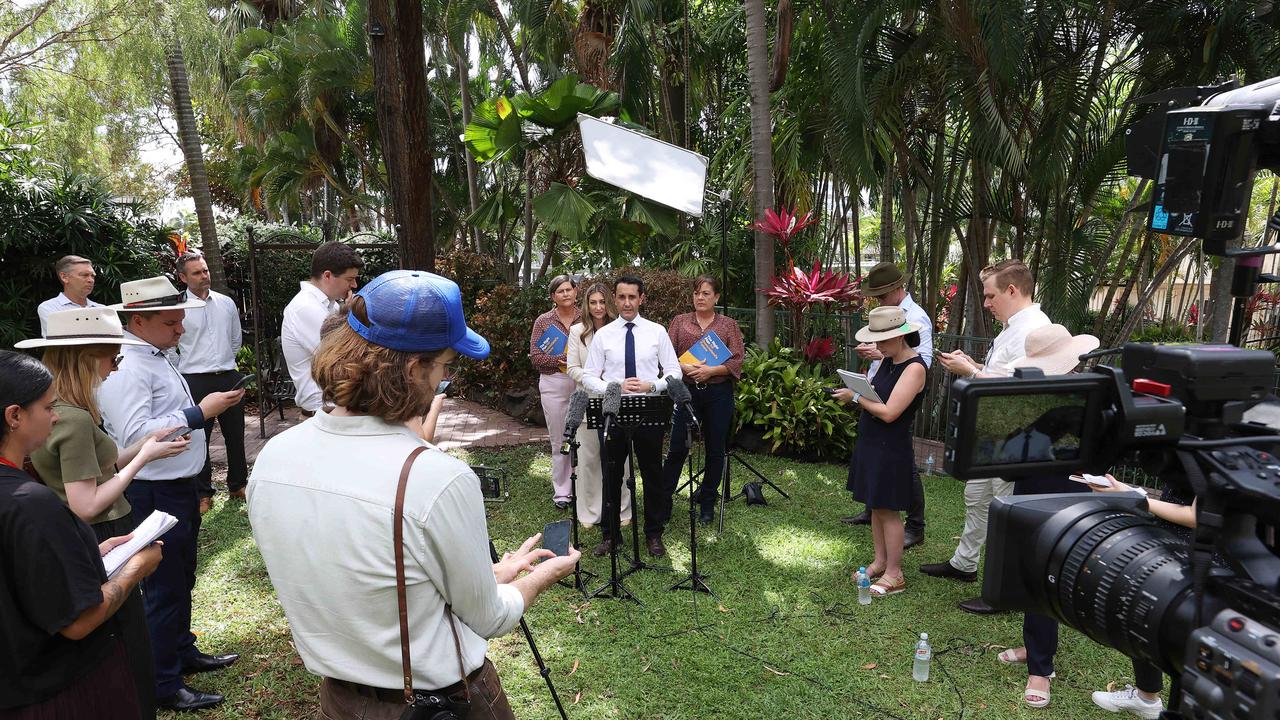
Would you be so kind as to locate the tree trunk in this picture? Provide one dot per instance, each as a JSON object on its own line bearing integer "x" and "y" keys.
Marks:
{"x": 1221, "y": 301}
{"x": 761, "y": 161}
{"x": 400, "y": 91}
{"x": 886, "y": 215}
{"x": 192, "y": 153}
{"x": 473, "y": 186}
{"x": 505, "y": 29}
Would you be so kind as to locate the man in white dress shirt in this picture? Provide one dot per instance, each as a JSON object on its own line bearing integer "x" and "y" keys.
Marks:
{"x": 207, "y": 359}
{"x": 334, "y": 270}
{"x": 1008, "y": 288}
{"x": 145, "y": 395}
{"x": 77, "y": 278}
{"x": 637, "y": 354}
{"x": 886, "y": 283}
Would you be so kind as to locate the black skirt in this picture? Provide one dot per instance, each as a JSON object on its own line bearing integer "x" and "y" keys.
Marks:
{"x": 132, "y": 620}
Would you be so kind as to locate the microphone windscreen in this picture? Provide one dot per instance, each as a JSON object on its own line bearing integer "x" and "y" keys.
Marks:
{"x": 677, "y": 390}
{"x": 612, "y": 403}
{"x": 578, "y": 403}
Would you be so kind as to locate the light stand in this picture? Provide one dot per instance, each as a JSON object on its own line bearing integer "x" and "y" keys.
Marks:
{"x": 543, "y": 670}
{"x": 696, "y": 581}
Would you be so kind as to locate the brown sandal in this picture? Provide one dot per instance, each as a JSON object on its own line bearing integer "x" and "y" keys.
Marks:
{"x": 883, "y": 587}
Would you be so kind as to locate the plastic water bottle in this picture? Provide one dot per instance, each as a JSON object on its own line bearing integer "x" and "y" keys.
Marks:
{"x": 928, "y": 465}
{"x": 923, "y": 656}
{"x": 864, "y": 587}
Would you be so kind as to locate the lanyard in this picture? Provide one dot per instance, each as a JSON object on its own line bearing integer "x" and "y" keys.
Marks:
{"x": 5, "y": 461}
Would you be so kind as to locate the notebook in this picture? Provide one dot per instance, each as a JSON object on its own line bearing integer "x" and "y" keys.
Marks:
{"x": 157, "y": 523}
{"x": 858, "y": 383}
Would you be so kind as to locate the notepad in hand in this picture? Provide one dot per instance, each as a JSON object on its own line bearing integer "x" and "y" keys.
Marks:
{"x": 710, "y": 350}
{"x": 553, "y": 341}
{"x": 859, "y": 383}
{"x": 157, "y": 523}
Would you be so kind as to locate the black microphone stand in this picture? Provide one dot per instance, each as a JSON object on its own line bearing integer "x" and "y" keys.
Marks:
{"x": 696, "y": 581}
{"x": 578, "y": 572}
{"x": 543, "y": 670}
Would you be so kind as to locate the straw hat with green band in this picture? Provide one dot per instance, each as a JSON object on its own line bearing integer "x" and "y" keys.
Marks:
{"x": 884, "y": 322}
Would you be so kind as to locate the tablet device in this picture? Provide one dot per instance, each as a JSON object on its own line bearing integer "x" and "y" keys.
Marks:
{"x": 858, "y": 383}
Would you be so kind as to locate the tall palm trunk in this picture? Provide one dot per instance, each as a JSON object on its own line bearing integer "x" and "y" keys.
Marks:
{"x": 761, "y": 161}
{"x": 189, "y": 137}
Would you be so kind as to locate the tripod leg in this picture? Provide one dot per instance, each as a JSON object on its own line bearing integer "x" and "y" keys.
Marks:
{"x": 756, "y": 472}
{"x": 695, "y": 581}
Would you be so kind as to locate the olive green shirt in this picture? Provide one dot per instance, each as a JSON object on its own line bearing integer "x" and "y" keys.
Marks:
{"x": 76, "y": 450}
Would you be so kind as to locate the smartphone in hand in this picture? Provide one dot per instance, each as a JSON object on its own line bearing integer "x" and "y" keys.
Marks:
{"x": 555, "y": 537}
{"x": 175, "y": 434}
{"x": 442, "y": 387}
{"x": 1094, "y": 480}
{"x": 243, "y": 381}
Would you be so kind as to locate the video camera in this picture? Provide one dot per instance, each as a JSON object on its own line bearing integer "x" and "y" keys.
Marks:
{"x": 1101, "y": 563}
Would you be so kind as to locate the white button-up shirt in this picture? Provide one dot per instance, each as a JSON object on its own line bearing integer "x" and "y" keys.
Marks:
{"x": 148, "y": 394}
{"x": 299, "y": 338}
{"x": 915, "y": 314}
{"x": 1010, "y": 344}
{"x": 338, "y": 586}
{"x": 54, "y": 304}
{"x": 212, "y": 336}
{"x": 606, "y": 358}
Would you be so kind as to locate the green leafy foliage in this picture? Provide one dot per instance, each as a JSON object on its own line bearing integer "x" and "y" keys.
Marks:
{"x": 783, "y": 397}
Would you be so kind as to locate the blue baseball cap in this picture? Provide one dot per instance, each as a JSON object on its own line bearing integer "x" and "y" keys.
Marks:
{"x": 416, "y": 311}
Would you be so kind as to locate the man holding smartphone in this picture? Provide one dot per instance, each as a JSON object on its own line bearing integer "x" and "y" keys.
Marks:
{"x": 207, "y": 359}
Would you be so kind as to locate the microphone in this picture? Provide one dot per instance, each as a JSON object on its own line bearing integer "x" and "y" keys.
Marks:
{"x": 611, "y": 405}
{"x": 577, "y": 408}
{"x": 679, "y": 393}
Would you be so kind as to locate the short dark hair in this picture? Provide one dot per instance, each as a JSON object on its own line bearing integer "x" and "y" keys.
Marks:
{"x": 336, "y": 258}
{"x": 23, "y": 380}
{"x": 187, "y": 257}
{"x": 557, "y": 281}
{"x": 628, "y": 280}
{"x": 707, "y": 280}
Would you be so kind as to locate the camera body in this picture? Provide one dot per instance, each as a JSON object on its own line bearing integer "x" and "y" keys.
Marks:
{"x": 434, "y": 706}
{"x": 1102, "y": 563}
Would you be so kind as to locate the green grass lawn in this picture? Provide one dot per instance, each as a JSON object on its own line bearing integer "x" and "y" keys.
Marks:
{"x": 786, "y": 637}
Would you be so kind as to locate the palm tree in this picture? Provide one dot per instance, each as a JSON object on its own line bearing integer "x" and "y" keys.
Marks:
{"x": 761, "y": 162}
{"x": 192, "y": 153}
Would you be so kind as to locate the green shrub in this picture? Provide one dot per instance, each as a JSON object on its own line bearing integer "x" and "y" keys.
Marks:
{"x": 783, "y": 398}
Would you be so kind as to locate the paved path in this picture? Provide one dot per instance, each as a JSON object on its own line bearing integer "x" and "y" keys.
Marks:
{"x": 462, "y": 424}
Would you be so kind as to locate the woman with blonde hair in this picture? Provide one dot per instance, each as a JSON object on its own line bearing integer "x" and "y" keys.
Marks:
{"x": 83, "y": 466}
{"x": 597, "y": 311}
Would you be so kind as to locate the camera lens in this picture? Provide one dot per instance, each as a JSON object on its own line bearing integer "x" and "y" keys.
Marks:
{"x": 1119, "y": 578}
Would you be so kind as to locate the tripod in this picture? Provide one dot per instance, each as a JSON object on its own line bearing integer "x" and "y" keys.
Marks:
{"x": 696, "y": 582}
{"x": 543, "y": 670}
{"x": 578, "y": 572}
{"x": 635, "y": 411}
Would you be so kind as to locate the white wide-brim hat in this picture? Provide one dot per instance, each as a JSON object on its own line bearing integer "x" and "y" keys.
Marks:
{"x": 81, "y": 326}
{"x": 1054, "y": 350}
{"x": 155, "y": 293}
{"x": 884, "y": 322}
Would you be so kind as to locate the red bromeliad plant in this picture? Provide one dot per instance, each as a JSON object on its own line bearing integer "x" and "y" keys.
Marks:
{"x": 784, "y": 225}
{"x": 819, "y": 350}
{"x": 799, "y": 291}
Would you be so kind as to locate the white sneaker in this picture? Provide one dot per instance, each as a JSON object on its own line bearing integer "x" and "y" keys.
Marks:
{"x": 1128, "y": 700}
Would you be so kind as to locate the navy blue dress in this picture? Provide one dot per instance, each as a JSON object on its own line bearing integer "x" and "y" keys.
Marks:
{"x": 883, "y": 458}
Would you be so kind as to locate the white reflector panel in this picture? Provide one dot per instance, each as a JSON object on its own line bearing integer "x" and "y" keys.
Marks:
{"x": 652, "y": 169}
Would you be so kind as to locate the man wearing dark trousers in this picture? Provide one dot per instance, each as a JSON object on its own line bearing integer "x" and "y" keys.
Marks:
{"x": 886, "y": 283}
{"x": 637, "y": 354}
{"x": 145, "y": 395}
{"x": 207, "y": 359}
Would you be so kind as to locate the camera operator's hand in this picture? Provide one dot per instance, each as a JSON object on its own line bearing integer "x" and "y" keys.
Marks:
{"x": 513, "y": 564}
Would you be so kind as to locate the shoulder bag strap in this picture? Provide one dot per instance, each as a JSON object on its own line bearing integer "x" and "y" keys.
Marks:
{"x": 397, "y": 532}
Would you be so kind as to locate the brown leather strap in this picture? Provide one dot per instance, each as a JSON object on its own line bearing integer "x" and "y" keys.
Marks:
{"x": 397, "y": 533}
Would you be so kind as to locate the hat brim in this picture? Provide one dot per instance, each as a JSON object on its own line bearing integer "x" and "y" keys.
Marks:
{"x": 186, "y": 305}
{"x": 866, "y": 334}
{"x": 472, "y": 345}
{"x": 1063, "y": 359}
{"x": 883, "y": 290}
{"x": 67, "y": 342}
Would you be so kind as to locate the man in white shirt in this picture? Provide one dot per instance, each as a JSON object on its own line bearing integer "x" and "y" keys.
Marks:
{"x": 145, "y": 395}
{"x": 207, "y": 359}
{"x": 887, "y": 283}
{"x": 77, "y": 278}
{"x": 334, "y": 270}
{"x": 637, "y": 354}
{"x": 1008, "y": 288}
